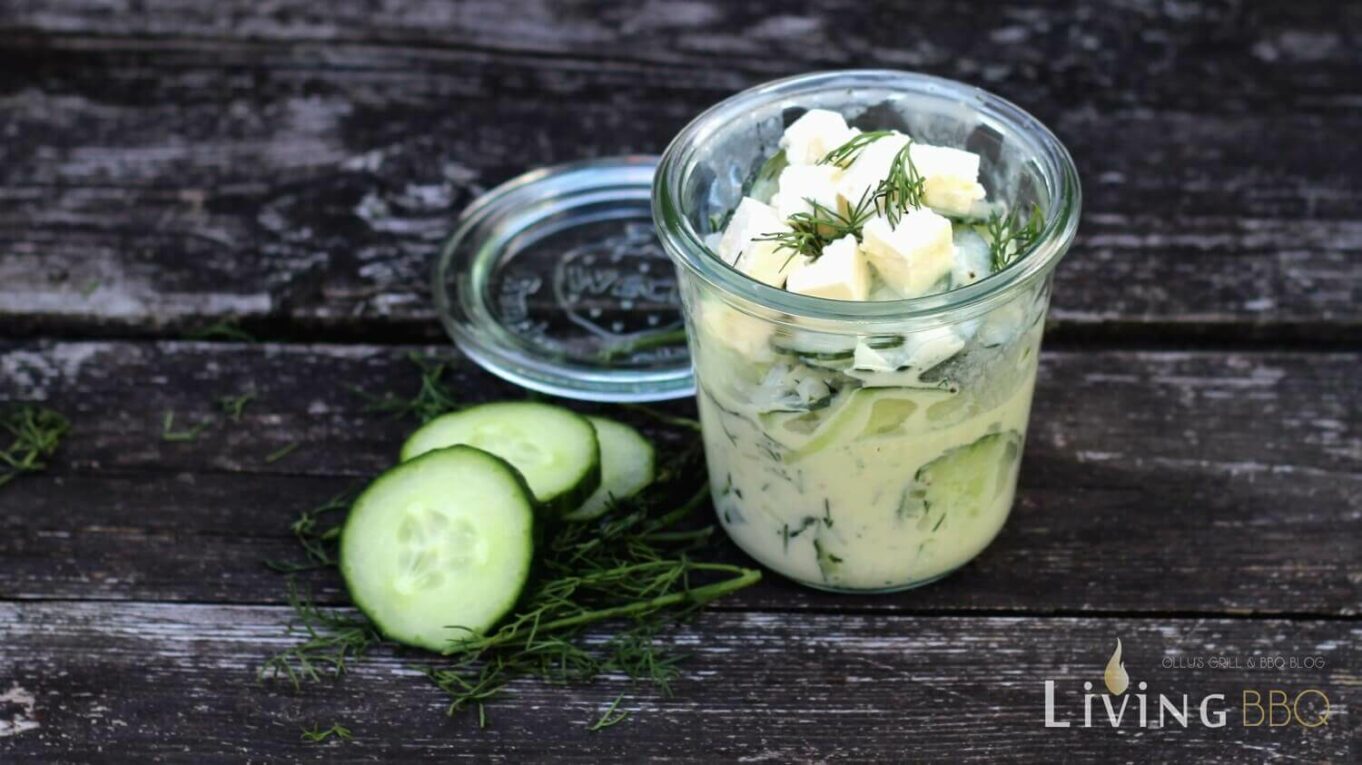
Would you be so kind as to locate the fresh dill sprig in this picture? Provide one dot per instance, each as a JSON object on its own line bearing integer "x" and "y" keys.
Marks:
{"x": 1008, "y": 236}
{"x": 222, "y": 330}
{"x": 611, "y": 716}
{"x": 902, "y": 189}
{"x": 315, "y": 734}
{"x": 34, "y": 433}
{"x": 812, "y": 230}
{"x": 192, "y": 433}
{"x": 281, "y": 453}
{"x": 433, "y": 396}
{"x": 844, "y": 155}
{"x": 317, "y": 539}
{"x": 332, "y": 639}
{"x": 235, "y": 406}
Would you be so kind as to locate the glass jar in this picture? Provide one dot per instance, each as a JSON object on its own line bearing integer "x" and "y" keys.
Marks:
{"x": 863, "y": 446}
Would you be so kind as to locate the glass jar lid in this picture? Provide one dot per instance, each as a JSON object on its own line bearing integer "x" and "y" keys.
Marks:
{"x": 556, "y": 281}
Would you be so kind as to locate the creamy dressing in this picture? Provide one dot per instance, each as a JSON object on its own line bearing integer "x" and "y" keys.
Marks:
{"x": 830, "y": 507}
{"x": 866, "y": 462}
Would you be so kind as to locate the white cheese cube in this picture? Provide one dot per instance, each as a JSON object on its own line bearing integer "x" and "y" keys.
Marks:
{"x": 930, "y": 347}
{"x": 770, "y": 263}
{"x": 870, "y": 167}
{"x": 950, "y": 177}
{"x": 746, "y": 335}
{"x": 743, "y": 245}
{"x": 840, "y": 273}
{"x": 752, "y": 219}
{"x": 912, "y": 256}
{"x": 800, "y": 183}
{"x": 808, "y": 139}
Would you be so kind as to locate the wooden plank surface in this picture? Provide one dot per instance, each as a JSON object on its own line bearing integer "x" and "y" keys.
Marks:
{"x": 1236, "y": 479}
{"x": 182, "y": 164}
{"x": 169, "y": 680}
{"x": 1193, "y": 477}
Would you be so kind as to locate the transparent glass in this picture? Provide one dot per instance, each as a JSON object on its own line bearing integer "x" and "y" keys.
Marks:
{"x": 863, "y": 446}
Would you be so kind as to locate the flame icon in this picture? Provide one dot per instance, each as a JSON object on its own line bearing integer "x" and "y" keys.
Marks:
{"x": 1116, "y": 678}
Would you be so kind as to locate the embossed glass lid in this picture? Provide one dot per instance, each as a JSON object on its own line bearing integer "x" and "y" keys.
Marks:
{"x": 555, "y": 281}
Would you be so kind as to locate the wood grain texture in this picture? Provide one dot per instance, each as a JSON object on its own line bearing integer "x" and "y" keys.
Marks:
{"x": 297, "y": 170}
{"x": 168, "y": 680}
{"x": 1235, "y": 479}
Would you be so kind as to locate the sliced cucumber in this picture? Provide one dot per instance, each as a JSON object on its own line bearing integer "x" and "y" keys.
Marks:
{"x": 766, "y": 182}
{"x": 438, "y": 548}
{"x": 554, "y": 448}
{"x": 627, "y": 466}
{"x": 964, "y": 481}
{"x": 860, "y": 414}
{"x": 816, "y": 344}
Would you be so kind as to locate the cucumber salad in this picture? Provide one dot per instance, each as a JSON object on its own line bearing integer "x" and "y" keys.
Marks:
{"x": 858, "y": 461}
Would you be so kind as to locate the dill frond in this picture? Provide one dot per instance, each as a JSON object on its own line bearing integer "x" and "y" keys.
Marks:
{"x": 433, "y": 396}
{"x": 1008, "y": 236}
{"x": 34, "y": 433}
{"x": 844, "y": 155}
{"x": 222, "y": 330}
{"x": 192, "y": 433}
{"x": 813, "y": 230}
{"x": 902, "y": 189}
{"x": 315, "y": 734}
{"x": 234, "y": 406}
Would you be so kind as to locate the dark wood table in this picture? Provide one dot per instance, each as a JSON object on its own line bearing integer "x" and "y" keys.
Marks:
{"x": 1193, "y": 478}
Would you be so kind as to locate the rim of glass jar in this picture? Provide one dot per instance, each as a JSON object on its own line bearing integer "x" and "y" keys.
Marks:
{"x": 1057, "y": 171}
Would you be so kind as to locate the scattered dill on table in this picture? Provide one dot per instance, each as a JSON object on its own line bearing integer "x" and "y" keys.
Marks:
{"x": 434, "y": 396}
{"x": 235, "y": 406}
{"x": 192, "y": 433}
{"x": 611, "y": 716}
{"x": 221, "y": 330}
{"x": 281, "y": 453}
{"x": 315, "y": 735}
{"x": 34, "y": 433}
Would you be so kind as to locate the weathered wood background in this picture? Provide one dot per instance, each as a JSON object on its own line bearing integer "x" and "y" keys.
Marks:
{"x": 1193, "y": 478}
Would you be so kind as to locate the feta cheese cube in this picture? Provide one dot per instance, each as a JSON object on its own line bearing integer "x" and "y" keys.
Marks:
{"x": 930, "y": 347}
{"x": 950, "y": 177}
{"x": 808, "y": 139}
{"x": 800, "y": 183}
{"x": 840, "y": 273}
{"x": 912, "y": 256}
{"x": 745, "y": 335}
{"x": 870, "y": 167}
{"x": 743, "y": 247}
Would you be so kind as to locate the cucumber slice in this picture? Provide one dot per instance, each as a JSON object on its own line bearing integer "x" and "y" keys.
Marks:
{"x": 862, "y": 413}
{"x": 964, "y": 481}
{"x": 439, "y": 548}
{"x": 766, "y": 182}
{"x": 816, "y": 344}
{"x": 554, "y": 448}
{"x": 627, "y": 466}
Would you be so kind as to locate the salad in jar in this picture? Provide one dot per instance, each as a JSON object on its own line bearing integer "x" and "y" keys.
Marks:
{"x": 861, "y": 459}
